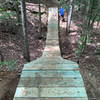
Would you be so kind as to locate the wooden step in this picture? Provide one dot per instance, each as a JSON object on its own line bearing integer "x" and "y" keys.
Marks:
{"x": 52, "y": 42}
{"x": 50, "y": 82}
{"x": 50, "y": 73}
{"x": 52, "y": 60}
{"x": 68, "y": 92}
{"x": 51, "y": 54}
{"x": 65, "y": 67}
{"x": 52, "y": 49}
{"x": 29, "y": 98}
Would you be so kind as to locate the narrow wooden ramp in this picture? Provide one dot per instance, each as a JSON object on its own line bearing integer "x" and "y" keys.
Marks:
{"x": 51, "y": 77}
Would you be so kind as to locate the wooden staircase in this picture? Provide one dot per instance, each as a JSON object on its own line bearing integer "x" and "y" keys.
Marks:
{"x": 51, "y": 77}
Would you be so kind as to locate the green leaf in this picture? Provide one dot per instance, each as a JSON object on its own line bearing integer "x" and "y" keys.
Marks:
{"x": 99, "y": 58}
{"x": 11, "y": 64}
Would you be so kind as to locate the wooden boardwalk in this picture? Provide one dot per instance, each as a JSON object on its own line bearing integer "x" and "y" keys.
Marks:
{"x": 51, "y": 77}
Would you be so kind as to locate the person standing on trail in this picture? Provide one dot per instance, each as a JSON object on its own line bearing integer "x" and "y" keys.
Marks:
{"x": 61, "y": 10}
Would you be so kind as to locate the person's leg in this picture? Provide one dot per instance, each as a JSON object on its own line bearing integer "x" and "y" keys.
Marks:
{"x": 63, "y": 18}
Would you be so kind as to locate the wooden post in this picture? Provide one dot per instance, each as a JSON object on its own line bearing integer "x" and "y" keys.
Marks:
{"x": 24, "y": 26}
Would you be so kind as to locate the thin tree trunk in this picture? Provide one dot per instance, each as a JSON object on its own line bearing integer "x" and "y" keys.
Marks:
{"x": 17, "y": 13}
{"x": 24, "y": 26}
{"x": 85, "y": 32}
{"x": 58, "y": 20}
{"x": 39, "y": 17}
{"x": 98, "y": 23}
{"x": 86, "y": 13}
{"x": 93, "y": 20}
{"x": 69, "y": 16}
{"x": 2, "y": 57}
{"x": 90, "y": 2}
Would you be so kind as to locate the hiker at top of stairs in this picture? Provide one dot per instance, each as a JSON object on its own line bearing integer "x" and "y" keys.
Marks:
{"x": 61, "y": 10}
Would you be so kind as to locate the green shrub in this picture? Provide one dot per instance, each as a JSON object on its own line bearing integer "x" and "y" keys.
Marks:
{"x": 11, "y": 64}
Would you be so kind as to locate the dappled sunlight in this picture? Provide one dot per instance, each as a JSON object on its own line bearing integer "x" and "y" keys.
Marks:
{"x": 52, "y": 16}
{"x": 73, "y": 27}
{"x": 96, "y": 25}
{"x": 63, "y": 24}
{"x": 93, "y": 44}
{"x": 52, "y": 48}
{"x": 49, "y": 59}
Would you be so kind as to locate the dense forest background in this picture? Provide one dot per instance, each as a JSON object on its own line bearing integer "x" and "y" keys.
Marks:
{"x": 23, "y": 28}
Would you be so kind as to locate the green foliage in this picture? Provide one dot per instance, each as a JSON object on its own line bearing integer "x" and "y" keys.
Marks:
{"x": 97, "y": 51}
{"x": 90, "y": 10}
{"x": 82, "y": 46}
{"x": 18, "y": 24}
{"x": 7, "y": 15}
{"x": 16, "y": 2}
{"x": 11, "y": 64}
{"x": 99, "y": 58}
{"x": 84, "y": 39}
{"x": 61, "y": 2}
{"x": 9, "y": 10}
{"x": 65, "y": 4}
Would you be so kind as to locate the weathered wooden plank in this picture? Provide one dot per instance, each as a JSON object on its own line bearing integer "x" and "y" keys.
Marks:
{"x": 51, "y": 67}
{"x": 52, "y": 37}
{"x": 50, "y": 73}
{"x": 26, "y": 92}
{"x": 53, "y": 28}
{"x": 71, "y": 92}
{"x": 27, "y": 98}
{"x": 51, "y": 82}
{"x": 52, "y": 42}
{"x": 44, "y": 60}
{"x": 63, "y": 92}
{"x": 51, "y": 54}
{"x": 53, "y": 24}
{"x": 52, "y": 31}
{"x": 50, "y": 48}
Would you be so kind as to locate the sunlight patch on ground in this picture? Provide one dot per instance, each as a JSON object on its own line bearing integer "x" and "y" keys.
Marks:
{"x": 51, "y": 48}
{"x": 93, "y": 44}
{"x": 96, "y": 25}
{"x": 62, "y": 24}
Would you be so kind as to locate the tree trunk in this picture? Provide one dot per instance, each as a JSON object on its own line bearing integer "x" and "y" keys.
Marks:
{"x": 85, "y": 28}
{"x": 86, "y": 12}
{"x": 39, "y": 17}
{"x": 24, "y": 26}
{"x": 2, "y": 57}
{"x": 98, "y": 23}
{"x": 17, "y": 13}
{"x": 93, "y": 20}
{"x": 58, "y": 20}
{"x": 69, "y": 16}
{"x": 91, "y": 2}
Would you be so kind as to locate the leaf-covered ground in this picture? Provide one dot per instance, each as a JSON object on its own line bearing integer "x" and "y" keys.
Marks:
{"x": 11, "y": 47}
{"x": 88, "y": 62}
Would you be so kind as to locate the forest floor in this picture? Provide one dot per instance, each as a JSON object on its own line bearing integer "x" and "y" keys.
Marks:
{"x": 88, "y": 62}
{"x": 11, "y": 47}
